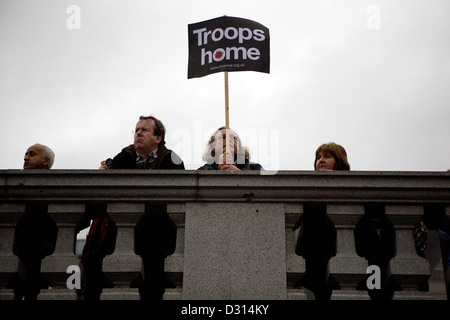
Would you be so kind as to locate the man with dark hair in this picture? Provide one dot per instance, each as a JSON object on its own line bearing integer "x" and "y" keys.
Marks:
{"x": 155, "y": 232}
{"x": 148, "y": 150}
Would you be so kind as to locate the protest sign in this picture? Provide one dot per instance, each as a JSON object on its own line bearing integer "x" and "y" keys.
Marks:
{"x": 228, "y": 44}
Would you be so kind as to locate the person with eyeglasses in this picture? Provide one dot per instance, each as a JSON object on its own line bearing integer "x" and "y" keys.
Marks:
{"x": 148, "y": 150}
{"x": 155, "y": 232}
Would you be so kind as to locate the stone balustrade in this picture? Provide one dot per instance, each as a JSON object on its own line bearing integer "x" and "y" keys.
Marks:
{"x": 235, "y": 238}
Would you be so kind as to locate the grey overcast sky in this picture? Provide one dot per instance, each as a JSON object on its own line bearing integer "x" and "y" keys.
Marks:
{"x": 371, "y": 75}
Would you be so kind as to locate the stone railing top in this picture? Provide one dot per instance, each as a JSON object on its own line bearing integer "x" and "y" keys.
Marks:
{"x": 192, "y": 185}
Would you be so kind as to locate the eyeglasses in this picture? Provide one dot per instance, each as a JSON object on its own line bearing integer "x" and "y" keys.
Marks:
{"x": 143, "y": 130}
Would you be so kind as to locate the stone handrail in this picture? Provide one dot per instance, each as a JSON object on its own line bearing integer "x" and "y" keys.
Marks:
{"x": 235, "y": 238}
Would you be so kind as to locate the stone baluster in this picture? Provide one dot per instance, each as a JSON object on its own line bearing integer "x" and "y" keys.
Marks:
{"x": 347, "y": 268}
{"x": 408, "y": 269}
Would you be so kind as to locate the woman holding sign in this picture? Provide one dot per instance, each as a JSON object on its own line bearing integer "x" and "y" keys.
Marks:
{"x": 226, "y": 152}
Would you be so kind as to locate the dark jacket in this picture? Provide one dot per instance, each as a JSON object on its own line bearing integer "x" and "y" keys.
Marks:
{"x": 318, "y": 233}
{"x": 166, "y": 159}
{"x": 35, "y": 234}
{"x": 375, "y": 239}
{"x": 155, "y": 232}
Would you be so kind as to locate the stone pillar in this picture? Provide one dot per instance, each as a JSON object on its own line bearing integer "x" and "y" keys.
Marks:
{"x": 347, "y": 268}
{"x": 234, "y": 251}
{"x": 54, "y": 267}
{"x": 295, "y": 265}
{"x": 124, "y": 264}
{"x": 66, "y": 217}
{"x": 175, "y": 263}
{"x": 9, "y": 215}
{"x": 409, "y": 269}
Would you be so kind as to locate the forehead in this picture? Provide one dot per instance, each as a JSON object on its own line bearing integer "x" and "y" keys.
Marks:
{"x": 325, "y": 153}
{"x": 34, "y": 149}
{"x": 326, "y": 149}
{"x": 145, "y": 122}
{"x": 223, "y": 133}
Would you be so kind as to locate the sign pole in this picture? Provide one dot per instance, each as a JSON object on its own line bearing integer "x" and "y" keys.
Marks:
{"x": 227, "y": 115}
{"x": 227, "y": 111}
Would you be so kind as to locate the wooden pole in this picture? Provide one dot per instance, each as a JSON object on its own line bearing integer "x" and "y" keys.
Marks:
{"x": 227, "y": 115}
{"x": 227, "y": 111}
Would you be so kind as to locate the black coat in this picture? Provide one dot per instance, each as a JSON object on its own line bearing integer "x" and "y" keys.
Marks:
{"x": 166, "y": 159}
{"x": 318, "y": 234}
{"x": 35, "y": 234}
{"x": 155, "y": 232}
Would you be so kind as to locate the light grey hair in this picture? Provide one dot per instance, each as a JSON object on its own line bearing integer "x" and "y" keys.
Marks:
{"x": 48, "y": 153}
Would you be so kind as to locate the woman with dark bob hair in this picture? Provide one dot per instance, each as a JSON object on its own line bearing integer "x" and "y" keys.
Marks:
{"x": 316, "y": 240}
{"x": 331, "y": 156}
